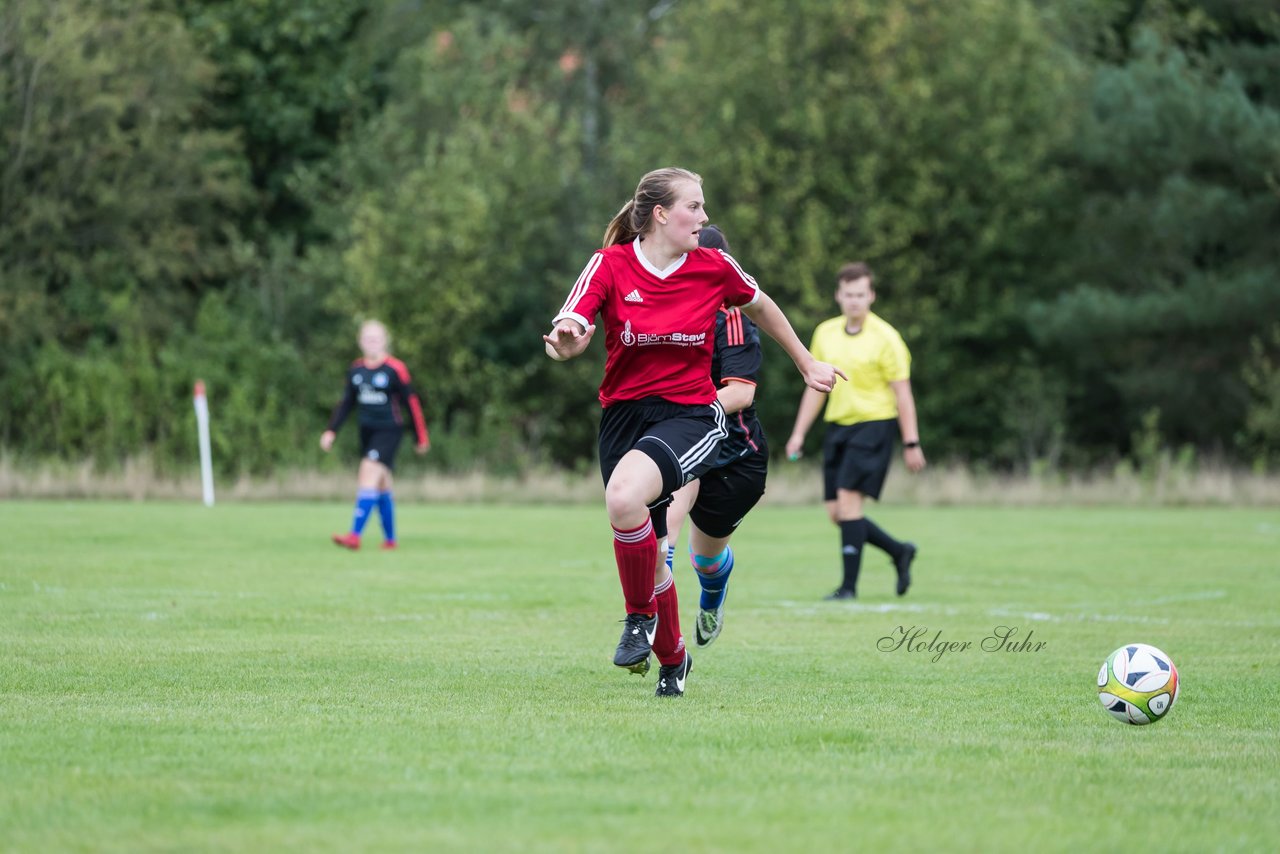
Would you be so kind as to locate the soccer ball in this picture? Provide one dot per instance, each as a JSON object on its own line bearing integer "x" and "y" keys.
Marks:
{"x": 1138, "y": 684}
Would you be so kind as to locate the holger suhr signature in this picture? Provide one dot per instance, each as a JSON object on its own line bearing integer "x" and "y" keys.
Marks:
{"x": 917, "y": 639}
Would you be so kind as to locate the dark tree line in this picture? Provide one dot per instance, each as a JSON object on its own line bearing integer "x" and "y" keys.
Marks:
{"x": 1074, "y": 210}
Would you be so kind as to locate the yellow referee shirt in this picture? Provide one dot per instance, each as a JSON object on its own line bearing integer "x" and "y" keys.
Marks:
{"x": 873, "y": 358}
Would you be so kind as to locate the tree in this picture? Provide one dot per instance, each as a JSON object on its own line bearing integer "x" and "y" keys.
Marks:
{"x": 453, "y": 205}
{"x": 1174, "y": 259}
{"x": 114, "y": 209}
{"x": 918, "y": 137}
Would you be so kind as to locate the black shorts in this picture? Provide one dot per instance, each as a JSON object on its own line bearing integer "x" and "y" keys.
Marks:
{"x": 681, "y": 438}
{"x": 856, "y": 457}
{"x": 726, "y": 494}
{"x": 380, "y": 444}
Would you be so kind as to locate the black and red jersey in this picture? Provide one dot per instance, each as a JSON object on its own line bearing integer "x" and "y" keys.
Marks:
{"x": 659, "y": 325}
{"x": 738, "y": 357}
{"x": 382, "y": 395}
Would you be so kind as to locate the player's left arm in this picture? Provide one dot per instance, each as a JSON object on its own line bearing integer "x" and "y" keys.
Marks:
{"x": 764, "y": 312}
{"x": 413, "y": 403}
{"x": 912, "y": 453}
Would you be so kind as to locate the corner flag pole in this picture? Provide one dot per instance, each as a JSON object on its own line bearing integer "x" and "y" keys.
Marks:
{"x": 206, "y": 460}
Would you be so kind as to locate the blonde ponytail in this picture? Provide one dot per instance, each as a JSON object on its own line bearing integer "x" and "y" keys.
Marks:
{"x": 621, "y": 228}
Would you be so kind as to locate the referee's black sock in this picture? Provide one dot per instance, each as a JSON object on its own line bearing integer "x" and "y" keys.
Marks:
{"x": 880, "y": 538}
{"x": 853, "y": 537}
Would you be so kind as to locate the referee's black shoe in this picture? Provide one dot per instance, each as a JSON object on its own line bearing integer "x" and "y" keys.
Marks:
{"x": 638, "y": 633}
{"x": 840, "y": 593}
{"x": 903, "y": 564}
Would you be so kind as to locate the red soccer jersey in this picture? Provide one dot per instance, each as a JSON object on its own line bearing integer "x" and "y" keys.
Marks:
{"x": 658, "y": 324}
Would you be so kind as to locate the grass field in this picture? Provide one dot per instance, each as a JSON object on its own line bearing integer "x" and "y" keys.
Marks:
{"x": 178, "y": 678}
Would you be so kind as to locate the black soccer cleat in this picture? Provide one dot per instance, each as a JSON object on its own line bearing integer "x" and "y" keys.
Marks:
{"x": 840, "y": 593}
{"x": 903, "y": 564}
{"x": 671, "y": 677}
{"x": 637, "y": 641}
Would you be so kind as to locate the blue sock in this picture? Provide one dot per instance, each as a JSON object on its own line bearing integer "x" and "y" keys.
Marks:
{"x": 713, "y": 584}
{"x": 671, "y": 556}
{"x": 387, "y": 513}
{"x": 365, "y": 499}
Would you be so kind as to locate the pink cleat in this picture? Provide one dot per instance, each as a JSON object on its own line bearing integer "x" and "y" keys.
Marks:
{"x": 347, "y": 541}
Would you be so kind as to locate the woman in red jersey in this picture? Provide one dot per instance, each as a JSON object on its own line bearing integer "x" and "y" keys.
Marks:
{"x": 659, "y": 293}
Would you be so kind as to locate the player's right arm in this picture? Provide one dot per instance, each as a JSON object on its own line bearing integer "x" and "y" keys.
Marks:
{"x": 811, "y": 404}
{"x": 738, "y": 348}
{"x": 568, "y": 339}
{"x": 339, "y": 414}
{"x": 572, "y": 328}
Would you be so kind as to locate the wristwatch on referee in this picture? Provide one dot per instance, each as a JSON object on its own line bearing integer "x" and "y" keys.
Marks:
{"x": 914, "y": 444}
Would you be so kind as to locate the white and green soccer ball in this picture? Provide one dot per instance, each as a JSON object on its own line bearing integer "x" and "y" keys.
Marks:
{"x": 1138, "y": 684}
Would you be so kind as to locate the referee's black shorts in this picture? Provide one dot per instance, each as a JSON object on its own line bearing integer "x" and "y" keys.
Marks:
{"x": 380, "y": 444}
{"x": 727, "y": 493}
{"x": 681, "y": 438}
{"x": 856, "y": 457}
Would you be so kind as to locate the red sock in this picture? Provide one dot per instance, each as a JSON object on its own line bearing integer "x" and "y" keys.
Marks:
{"x": 668, "y": 645}
{"x": 637, "y": 554}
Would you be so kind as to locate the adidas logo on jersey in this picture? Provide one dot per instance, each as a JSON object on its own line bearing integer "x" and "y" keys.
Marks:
{"x": 634, "y": 296}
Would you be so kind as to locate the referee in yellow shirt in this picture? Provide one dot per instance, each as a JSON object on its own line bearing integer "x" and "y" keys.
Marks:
{"x": 860, "y": 416}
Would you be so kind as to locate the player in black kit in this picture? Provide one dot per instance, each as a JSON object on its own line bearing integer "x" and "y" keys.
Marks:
{"x": 380, "y": 388}
{"x": 719, "y": 500}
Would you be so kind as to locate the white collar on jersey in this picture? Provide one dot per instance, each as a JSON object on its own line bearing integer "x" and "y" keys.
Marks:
{"x": 648, "y": 265}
